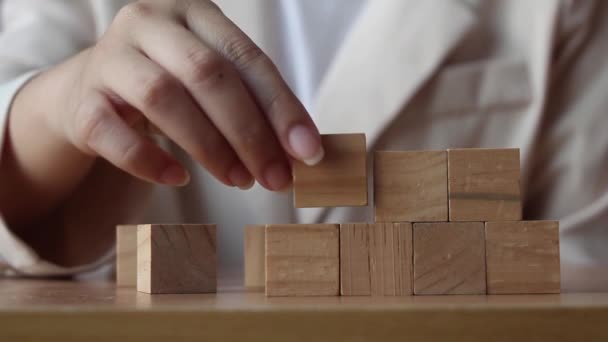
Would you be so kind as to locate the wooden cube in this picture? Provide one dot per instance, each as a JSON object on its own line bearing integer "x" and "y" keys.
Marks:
{"x": 484, "y": 185}
{"x": 255, "y": 257}
{"x": 126, "y": 255}
{"x": 340, "y": 179}
{"x": 449, "y": 258}
{"x": 176, "y": 258}
{"x": 355, "y": 278}
{"x": 302, "y": 260}
{"x": 523, "y": 257}
{"x": 410, "y": 186}
{"x": 376, "y": 259}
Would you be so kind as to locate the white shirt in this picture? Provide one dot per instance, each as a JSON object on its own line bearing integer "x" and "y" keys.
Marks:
{"x": 311, "y": 32}
{"x": 412, "y": 75}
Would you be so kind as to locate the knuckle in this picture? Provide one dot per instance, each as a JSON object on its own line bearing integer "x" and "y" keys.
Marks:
{"x": 129, "y": 157}
{"x": 135, "y": 10}
{"x": 156, "y": 89}
{"x": 254, "y": 134}
{"x": 253, "y": 137}
{"x": 211, "y": 146}
{"x": 270, "y": 105}
{"x": 206, "y": 68}
{"x": 89, "y": 125}
{"x": 243, "y": 52}
{"x": 211, "y": 5}
{"x": 189, "y": 7}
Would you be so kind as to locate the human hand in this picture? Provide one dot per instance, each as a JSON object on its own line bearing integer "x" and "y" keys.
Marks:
{"x": 187, "y": 69}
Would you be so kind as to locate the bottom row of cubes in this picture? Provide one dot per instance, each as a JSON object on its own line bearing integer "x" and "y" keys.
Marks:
{"x": 398, "y": 259}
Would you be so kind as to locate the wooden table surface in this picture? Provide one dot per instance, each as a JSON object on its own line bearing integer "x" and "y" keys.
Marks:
{"x": 69, "y": 311}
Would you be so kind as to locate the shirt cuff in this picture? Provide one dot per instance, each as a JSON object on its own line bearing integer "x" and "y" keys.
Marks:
{"x": 22, "y": 260}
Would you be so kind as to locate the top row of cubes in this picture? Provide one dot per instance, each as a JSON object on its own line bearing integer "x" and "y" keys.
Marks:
{"x": 414, "y": 186}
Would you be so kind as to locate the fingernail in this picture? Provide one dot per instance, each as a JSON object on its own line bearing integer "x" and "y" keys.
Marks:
{"x": 175, "y": 175}
{"x": 306, "y": 145}
{"x": 240, "y": 177}
{"x": 248, "y": 185}
{"x": 286, "y": 189}
{"x": 277, "y": 176}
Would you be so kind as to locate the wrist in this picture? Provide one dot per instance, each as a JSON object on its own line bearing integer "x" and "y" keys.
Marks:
{"x": 40, "y": 166}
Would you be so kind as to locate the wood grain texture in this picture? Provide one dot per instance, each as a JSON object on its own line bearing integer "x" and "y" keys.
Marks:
{"x": 176, "y": 258}
{"x": 340, "y": 179}
{"x": 523, "y": 257}
{"x": 390, "y": 253}
{"x": 355, "y": 278}
{"x": 302, "y": 260}
{"x": 376, "y": 259}
{"x": 126, "y": 255}
{"x": 255, "y": 256}
{"x": 65, "y": 311}
{"x": 449, "y": 258}
{"x": 410, "y": 186}
{"x": 484, "y": 185}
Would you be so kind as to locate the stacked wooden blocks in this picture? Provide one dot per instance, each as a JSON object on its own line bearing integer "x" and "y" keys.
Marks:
{"x": 446, "y": 222}
{"x": 167, "y": 258}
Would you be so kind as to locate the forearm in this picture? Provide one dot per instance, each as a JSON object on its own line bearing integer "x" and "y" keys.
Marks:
{"x": 39, "y": 167}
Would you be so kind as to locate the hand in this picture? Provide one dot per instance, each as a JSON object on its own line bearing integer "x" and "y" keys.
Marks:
{"x": 187, "y": 69}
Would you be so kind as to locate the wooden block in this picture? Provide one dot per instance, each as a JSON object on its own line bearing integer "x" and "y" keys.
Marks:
{"x": 523, "y": 257}
{"x": 390, "y": 253}
{"x": 302, "y": 260}
{"x": 255, "y": 258}
{"x": 449, "y": 258}
{"x": 176, "y": 258}
{"x": 410, "y": 186}
{"x": 484, "y": 185}
{"x": 355, "y": 278}
{"x": 339, "y": 180}
{"x": 376, "y": 259}
{"x": 126, "y": 255}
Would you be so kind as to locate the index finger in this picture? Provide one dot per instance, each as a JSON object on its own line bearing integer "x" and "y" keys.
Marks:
{"x": 289, "y": 119}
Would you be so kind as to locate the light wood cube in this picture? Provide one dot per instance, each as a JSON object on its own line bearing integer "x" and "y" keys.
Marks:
{"x": 255, "y": 258}
{"x": 449, "y": 258}
{"x": 523, "y": 257}
{"x": 302, "y": 260}
{"x": 340, "y": 179}
{"x": 484, "y": 185}
{"x": 355, "y": 276}
{"x": 176, "y": 258}
{"x": 376, "y": 259}
{"x": 410, "y": 186}
{"x": 126, "y": 255}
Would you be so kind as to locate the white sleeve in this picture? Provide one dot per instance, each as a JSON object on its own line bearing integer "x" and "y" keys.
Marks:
{"x": 36, "y": 34}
